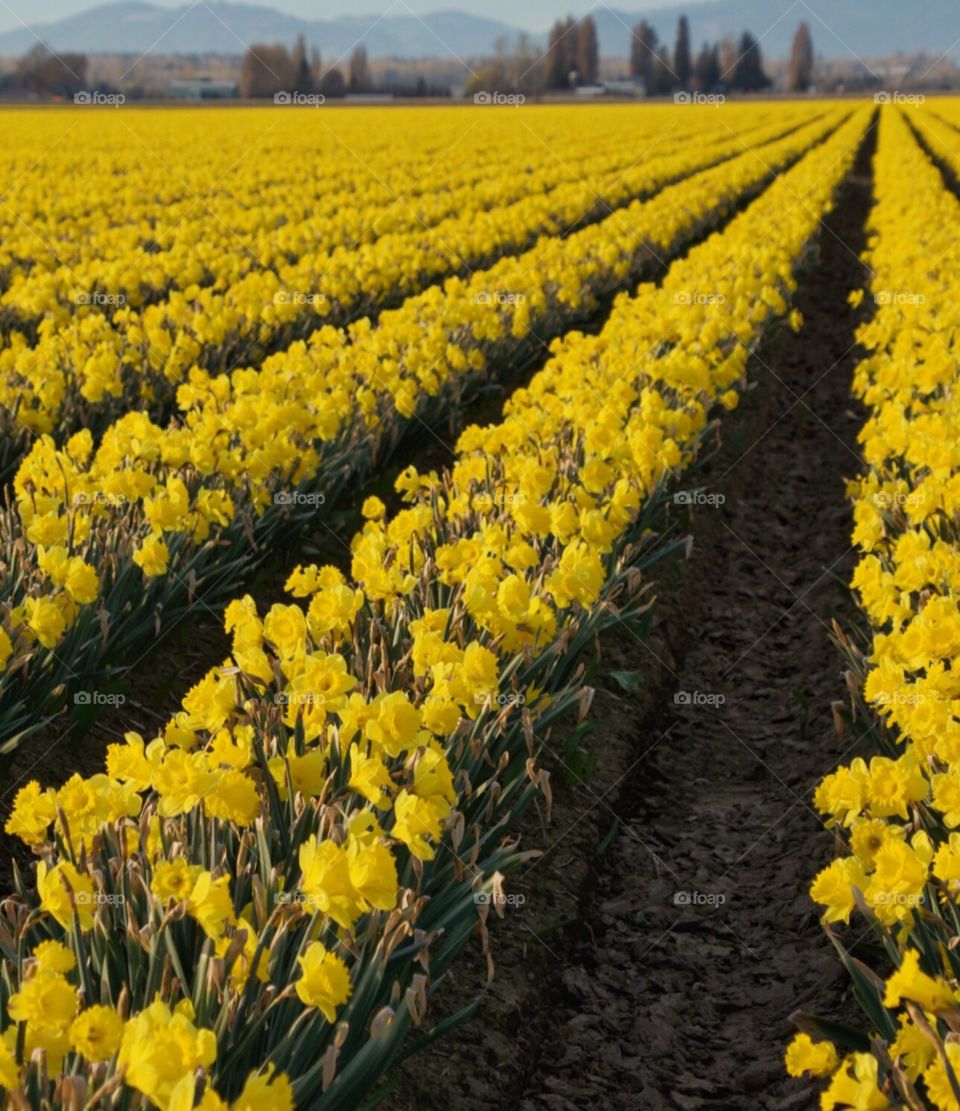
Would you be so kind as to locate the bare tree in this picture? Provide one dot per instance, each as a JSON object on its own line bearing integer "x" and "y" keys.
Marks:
{"x": 727, "y": 57}
{"x": 359, "y": 71}
{"x": 561, "y": 53}
{"x": 662, "y": 72}
{"x": 706, "y": 71}
{"x": 800, "y": 70}
{"x": 266, "y": 70}
{"x": 46, "y": 74}
{"x": 587, "y": 56}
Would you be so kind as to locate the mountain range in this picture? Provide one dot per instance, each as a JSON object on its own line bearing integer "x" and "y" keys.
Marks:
{"x": 841, "y": 28}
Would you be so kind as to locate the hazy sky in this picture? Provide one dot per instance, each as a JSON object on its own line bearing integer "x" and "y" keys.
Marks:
{"x": 533, "y": 15}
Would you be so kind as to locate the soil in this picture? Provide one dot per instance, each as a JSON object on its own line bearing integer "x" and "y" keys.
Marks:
{"x": 667, "y": 935}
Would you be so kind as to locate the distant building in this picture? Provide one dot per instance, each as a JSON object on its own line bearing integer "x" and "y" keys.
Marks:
{"x": 202, "y": 89}
{"x": 625, "y": 87}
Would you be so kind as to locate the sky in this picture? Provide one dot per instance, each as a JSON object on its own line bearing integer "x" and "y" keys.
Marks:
{"x": 533, "y": 15}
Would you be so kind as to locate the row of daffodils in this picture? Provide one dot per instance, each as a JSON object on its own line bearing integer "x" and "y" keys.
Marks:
{"x": 84, "y": 365}
{"x": 249, "y": 909}
{"x": 155, "y": 207}
{"x": 896, "y": 808}
{"x": 105, "y": 546}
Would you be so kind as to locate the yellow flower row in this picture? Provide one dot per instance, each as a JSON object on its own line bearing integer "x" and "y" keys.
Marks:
{"x": 152, "y": 207}
{"x": 237, "y": 910}
{"x": 93, "y": 366}
{"x": 936, "y": 125}
{"x": 123, "y": 530}
{"x": 895, "y": 812}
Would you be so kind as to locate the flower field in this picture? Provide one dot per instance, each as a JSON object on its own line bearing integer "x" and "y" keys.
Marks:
{"x": 218, "y": 357}
{"x": 894, "y": 807}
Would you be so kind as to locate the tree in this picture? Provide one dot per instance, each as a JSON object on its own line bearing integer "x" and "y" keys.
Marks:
{"x": 662, "y": 73}
{"x": 587, "y": 56}
{"x": 643, "y": 53}
{"x": 359, "y": 71}
{"x": 302, "y": 77}
{"x": 748, "y": 75}
{"x": 561, "y": 53}
{"x": 332, "y": 84}
{"x": 527, "y": 71}
{"x": 515, "y": 68}
{"x": 681, "y": 55}
{"x": 727, "y": 57}
{"x": 316, "y": 68}
{"x": 706, "y": 70}
{"x": 266, "y": 70}
{"x": 800, "y": 70}
{"x": 46, "y": 74}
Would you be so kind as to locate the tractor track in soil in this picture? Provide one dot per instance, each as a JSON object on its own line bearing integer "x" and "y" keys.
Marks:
{"x": 667, "y": 934}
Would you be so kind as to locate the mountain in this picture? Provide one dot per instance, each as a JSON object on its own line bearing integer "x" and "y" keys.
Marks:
{"x": 219, "y": 27}
{"x": 841, "y": 28}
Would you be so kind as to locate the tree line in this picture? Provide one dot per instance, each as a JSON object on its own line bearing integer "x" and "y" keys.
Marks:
{"x": 270, "y": 69}
{"x": 571, "y": 59}
{"x": 40, "y": 72}
{"x": 726, "y": 65}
